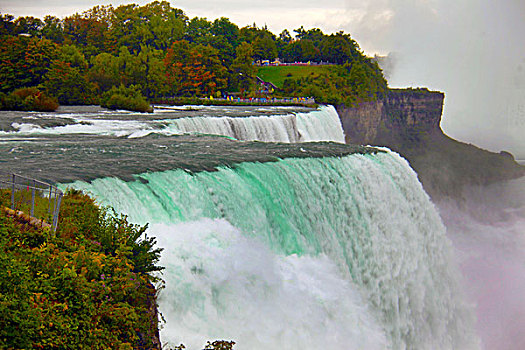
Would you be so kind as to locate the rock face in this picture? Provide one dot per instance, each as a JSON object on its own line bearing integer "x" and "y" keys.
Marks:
{"x": 403, "y": 114}
{"x": 407, "y": 121}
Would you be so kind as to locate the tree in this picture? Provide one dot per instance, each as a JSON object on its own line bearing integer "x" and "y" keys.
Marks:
{"x": 105, "y": 71}
{"x": 154, "y": 82}
{"x": 88, "y": 31}
{"x": 285, "y": 36}
{"x": 225, "y": 38}
{"x": 25, "y": 61}
{"x": 53, "y": 29}
{"x": 243, "y": 71}
{"x": 154, "y": 25}
{"x": 339, "y": 48}
{"x": 265, "y": 48}
{"x": 128, "y": 98}
{"x": 67, "y": 78}
{"x": 69, "y": 84}
{"x": 7, "y": 25}
{"x": 198, "y": 31}
{"x": 301, "y": 50}
{"x": 221, "y": 34}
{"x": 29, "y": 25}
{"x": 194, "y": 70}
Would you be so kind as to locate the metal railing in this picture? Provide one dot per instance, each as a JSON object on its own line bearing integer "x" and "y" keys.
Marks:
{"x": 36, "y": 198}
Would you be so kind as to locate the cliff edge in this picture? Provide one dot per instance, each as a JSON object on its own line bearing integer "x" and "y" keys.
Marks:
{"x": 408, "y": 122}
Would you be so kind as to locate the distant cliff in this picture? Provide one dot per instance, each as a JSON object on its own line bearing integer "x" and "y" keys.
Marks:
{"x": 408, "y": 121}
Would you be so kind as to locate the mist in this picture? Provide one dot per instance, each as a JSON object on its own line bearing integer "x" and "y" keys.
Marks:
{"x": 473, "y": 50}
{"x": 487, "y": 230}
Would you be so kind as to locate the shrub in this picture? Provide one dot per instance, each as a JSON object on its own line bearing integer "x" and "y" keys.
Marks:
{"x": 86, "y": 287}
{"x": 128, "y": 98}
{"x": 29, "y": 99}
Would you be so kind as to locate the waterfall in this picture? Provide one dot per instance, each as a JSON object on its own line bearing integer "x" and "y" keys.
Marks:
{"x": 322, "y": 124}
{"x": 313, "y": 253}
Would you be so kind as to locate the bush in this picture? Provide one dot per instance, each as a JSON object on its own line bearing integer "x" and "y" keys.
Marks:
{"x": 128, "y": 98}
{"x": 29, "y": 99}
{"x": 86, "y": 287}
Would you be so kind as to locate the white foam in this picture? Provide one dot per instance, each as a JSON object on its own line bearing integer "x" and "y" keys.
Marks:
{"x": 223, "y": 285}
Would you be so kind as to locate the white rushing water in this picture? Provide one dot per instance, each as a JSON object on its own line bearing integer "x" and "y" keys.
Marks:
{"x": 322, "y": 124}
{"x": 328, "y": 253}
{"x": 319, "y": 125}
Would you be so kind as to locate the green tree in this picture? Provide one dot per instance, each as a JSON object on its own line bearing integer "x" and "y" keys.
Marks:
{"x": 243, "y": 70}
{"x": 131, "y": 69}
{"x": 265, "y": 48}
{"x": 155, "y": 25}
{"x": 104, "y": 71}
{"x": 67, "y": 78}
{"x": 225, "y": 39}
{"x": 53, "y": 29}
{"x": 7, "y": 25}
{"x": 128, "y": 98}
{"x": 29, "y": 25}
{"x": 154, "y": 81}
{"x": 339, "y": 48}
{"x": 89, "y": 30}
{"x": 285, "y": 36}
{"x": 194, "y": 70}
{"x": 198, "y": 31}
{"x": 24, "y": 61}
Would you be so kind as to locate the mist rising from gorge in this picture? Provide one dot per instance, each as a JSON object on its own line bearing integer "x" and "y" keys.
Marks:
{"x": 487, "y": 231}
{"x": 472, "y": 50}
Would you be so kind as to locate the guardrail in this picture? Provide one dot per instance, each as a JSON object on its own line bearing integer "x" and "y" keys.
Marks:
{"x": 36, "y": 198}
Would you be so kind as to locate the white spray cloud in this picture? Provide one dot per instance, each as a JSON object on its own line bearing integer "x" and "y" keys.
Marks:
{"x": 473, "y": 50}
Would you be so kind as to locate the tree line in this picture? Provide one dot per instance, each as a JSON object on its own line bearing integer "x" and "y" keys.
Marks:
{"x": 154, "y": 49}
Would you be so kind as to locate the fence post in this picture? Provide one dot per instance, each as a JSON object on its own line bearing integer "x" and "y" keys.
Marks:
{"x": 13, "y": 192}
{"x": 55, "y": 204}
{"x": 49, "y": 200}
{"x": 33, "y": 199}
{"x": 55, "y": 216}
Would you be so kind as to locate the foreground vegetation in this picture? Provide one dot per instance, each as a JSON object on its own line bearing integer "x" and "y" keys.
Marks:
{"x": 160, "y": 52}
{"x": 89, "y": 286}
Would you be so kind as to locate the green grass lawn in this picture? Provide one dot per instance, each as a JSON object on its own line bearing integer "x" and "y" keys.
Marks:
{"x": 277, "y": 74}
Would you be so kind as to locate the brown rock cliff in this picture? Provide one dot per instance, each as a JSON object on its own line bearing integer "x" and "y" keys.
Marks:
{"x": 408, "y": 122}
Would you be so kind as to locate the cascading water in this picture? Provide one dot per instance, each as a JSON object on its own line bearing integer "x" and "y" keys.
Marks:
{"x": 324, "y": 253}
{"x": 321, "y": 124}
{"x": 331, "y": 247}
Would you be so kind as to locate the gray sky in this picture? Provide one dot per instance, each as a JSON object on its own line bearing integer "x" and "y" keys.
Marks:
{"x": 473, "y": 50}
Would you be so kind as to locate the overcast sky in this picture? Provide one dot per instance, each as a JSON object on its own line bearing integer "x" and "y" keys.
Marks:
{"x": 473, "y": 50}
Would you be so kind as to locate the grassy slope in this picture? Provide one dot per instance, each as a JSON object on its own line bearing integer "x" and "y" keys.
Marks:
{"x": 277, "y": 74}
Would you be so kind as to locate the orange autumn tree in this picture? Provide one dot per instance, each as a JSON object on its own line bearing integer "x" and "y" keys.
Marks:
{"x": 194, "y": 70}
